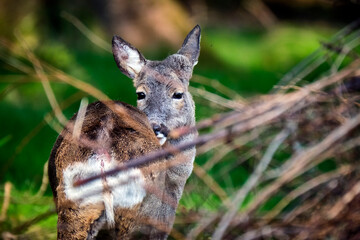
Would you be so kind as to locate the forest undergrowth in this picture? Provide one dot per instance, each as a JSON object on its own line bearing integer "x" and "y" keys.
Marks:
{"x": 294, "y": 152}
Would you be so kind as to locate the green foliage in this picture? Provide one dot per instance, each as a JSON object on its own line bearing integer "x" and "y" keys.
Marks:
{"x": 252, "y": 60}
{"x": 4, "y": 140}
{"x": 23, "y": 214}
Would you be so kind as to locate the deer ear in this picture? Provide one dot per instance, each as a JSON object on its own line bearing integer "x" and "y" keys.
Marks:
{"x": 128, "y": 59}
{"x": 191, "y": 45}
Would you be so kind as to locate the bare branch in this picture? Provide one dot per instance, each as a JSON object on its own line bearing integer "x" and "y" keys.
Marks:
{"x": 80, "y": 119}
{"x": 86, "y": 31}
{"x": 6, "y": 202}
{"x": 44, "y": 80}
{"x": 342, "y": 203}
{"x": 304, "y": 158}
{"x": 45, "y": 180}
{"x": 250, "y": 184}
{"x": 307, "y": 186}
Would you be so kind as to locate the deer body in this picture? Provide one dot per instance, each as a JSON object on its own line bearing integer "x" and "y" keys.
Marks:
{"x": 137, "y": 202}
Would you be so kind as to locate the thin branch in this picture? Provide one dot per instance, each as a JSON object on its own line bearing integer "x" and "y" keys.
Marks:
{"x": 53, "y": 124}
{"x": 268, "y": 232}
{"x": 307, "y": 186}
{"x": 344, "y": 201}
{"x": 44, "y": 80}
{"x": 314, "y": 60}
{"x": 214, "y": 98}
{"x": 80, "y": 119}
{"x": 45, "y": 180}
{"x": 218, "y": 156}
{"x": 211, "y": 183}
{"x": 250, "y": 184}
{"x": 202, "y": 224}
{"x": 6, "y": 202}
{"x": 308, "y": 204}
{"x": 48, "y": 118}
{"x": 24, "y": 226}
{"x": 86, "y": 31}
{"x": 218, "y": 86}
{"x": 304, "y": 158}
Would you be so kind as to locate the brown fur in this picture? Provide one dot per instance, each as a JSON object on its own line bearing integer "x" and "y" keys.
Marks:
{"x": 75, "y": 222}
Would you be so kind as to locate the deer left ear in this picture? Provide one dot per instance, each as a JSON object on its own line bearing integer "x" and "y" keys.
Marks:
{"x": 191, "y": 45}
{"x": 128, "y": 59}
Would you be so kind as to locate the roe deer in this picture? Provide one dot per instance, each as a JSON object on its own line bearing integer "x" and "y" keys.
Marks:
{"x": 138, "y": 202}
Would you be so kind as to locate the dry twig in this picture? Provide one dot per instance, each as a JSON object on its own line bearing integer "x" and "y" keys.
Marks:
{"x": 6, "y": 202}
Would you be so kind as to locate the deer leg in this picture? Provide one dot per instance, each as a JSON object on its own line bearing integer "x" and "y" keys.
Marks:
{"x": 80, "y": 222}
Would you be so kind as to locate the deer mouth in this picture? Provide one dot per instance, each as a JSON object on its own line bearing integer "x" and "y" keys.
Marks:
{"x": 161, "y": 137}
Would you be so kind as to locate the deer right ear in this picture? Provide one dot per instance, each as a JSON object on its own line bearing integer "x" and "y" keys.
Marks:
{"x": 128, "y": 59}
{"x": 191, "y": 45}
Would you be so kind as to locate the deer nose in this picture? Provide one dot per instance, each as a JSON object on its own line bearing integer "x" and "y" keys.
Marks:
{"x": 161, "y": 132}
{"x": 156, "y": 128}
{"x": 160, "y": 129}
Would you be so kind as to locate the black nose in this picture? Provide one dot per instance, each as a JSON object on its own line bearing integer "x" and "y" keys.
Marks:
{"x": 156, "y": 128}
{"x": 160, "y": 129}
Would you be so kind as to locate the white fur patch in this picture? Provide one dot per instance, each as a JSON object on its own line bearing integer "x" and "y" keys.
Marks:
{"x": 126, "y": 187}
{"x": 161, "y": 137}
{"x": 109, "y": 208}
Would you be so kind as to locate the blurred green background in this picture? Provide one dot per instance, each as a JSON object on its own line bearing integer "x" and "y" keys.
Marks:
{"x": 247, "y": 46}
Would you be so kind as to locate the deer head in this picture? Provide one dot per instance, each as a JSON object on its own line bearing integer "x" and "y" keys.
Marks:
{"x": 162, "y": 86}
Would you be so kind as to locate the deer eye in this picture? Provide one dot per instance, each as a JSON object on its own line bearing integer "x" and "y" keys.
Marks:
{"x": 178, "y": 95}
{"x": 140, "y": 95}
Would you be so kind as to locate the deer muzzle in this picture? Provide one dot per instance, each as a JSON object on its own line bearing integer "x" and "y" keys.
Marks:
{"x": 161, "y": 132}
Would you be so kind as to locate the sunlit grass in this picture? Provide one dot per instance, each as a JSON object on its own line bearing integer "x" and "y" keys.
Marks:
{"x": 25, "y": 206}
